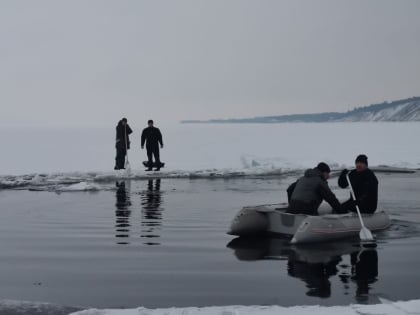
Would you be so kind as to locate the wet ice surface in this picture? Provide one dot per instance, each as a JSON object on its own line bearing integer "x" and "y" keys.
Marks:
{"x": 162, "y": 243}
{"x": 13, "y": 307}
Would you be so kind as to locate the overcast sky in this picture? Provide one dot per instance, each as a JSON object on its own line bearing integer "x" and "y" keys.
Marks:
{"x": 92, "y": 62}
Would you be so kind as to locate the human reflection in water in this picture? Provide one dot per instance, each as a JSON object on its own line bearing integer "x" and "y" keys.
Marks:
{"x": 151, "y": 201}
{"x": 315, "y": 274}
{"x": 315, "y": 264}
{"x": 364, "y": 272}
{"x": 122, "y": 212}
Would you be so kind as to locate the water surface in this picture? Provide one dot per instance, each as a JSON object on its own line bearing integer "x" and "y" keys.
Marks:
{"x": 162, "y": 243}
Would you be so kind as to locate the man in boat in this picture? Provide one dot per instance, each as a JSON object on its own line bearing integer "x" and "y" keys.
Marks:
{"x": 122, "y": 143}
{"x": 307, "y": 193}
{"x": 365, "y": 186}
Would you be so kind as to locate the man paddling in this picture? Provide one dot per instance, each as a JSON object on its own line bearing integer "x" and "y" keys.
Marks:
{"x": 365, "y": 186}
{"x": 307, "y": 193}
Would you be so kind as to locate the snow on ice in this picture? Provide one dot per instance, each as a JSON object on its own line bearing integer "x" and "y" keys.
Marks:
{"x": 391, "y": 308}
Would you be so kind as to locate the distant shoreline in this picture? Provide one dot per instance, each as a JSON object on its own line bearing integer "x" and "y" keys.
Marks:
{"x": 235, "y": 121}
{"x": 397, "y": 111}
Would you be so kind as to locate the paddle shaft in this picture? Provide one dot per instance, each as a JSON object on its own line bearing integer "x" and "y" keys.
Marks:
{"x": 125, "y": 140}
{"x": 354, "y": 198}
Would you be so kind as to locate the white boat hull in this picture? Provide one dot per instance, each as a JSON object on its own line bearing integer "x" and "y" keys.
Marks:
{"x": 302, "y": 228}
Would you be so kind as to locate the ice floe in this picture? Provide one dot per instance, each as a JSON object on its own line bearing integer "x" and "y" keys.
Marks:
{"x": 394, "y": 308}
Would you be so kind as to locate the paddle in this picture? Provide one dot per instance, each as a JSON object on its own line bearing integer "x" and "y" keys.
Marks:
{"x": 365, "y": 234}
{"x": 127, "y": 163}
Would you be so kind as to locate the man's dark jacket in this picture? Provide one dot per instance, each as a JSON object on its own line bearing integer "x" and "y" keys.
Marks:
{"x": 308, "y": 192}
{"x": 365, "y": 186}
{"x": 121, "y": 132}
{"x": 152, "y": 137}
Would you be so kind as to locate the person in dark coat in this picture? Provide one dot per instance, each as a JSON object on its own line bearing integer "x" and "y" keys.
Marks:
{"x": 152, "y": 137}
{"x": 122, "y": 143}
{"x": 365, "y": 186}
{"x": 307, "y": 193}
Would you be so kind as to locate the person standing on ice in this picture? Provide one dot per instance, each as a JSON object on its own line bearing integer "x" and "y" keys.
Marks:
{"x": 152, "y": 137}
{"x": 307, "y": 193}
{"x": 122, "y": 143}
{"x": 365, "y": 186}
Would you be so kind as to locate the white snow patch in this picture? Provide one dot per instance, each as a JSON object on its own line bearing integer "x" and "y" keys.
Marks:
{"x": 83, "y": 186}
{"x": 394, "y": 308}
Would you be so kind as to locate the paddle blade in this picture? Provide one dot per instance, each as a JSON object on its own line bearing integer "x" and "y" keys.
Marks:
{"x": 366, "y": 235}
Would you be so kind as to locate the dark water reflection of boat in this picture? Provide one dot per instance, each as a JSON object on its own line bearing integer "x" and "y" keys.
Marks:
{"x": 315, "y": 265}
{"x": 151, "y": 201}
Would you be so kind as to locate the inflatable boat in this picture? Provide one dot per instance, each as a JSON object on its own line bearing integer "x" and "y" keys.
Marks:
{"x": 273, "y": 219}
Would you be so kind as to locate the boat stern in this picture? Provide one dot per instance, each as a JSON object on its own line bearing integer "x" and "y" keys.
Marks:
{"x": 248, "y": 221}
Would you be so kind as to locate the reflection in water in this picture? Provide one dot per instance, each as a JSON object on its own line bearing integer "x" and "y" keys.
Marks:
{"x": 364, "y": 272}
{"x": 122, "y": 212}
{"x": 151, "y": 201}
{"x": 315, "y": 275}
{"x": 316, "y": 264}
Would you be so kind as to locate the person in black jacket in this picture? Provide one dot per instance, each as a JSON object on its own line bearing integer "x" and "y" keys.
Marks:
{"x": 152, "y": 137}
{"x": 307, "y": 193}
{"x": 365, "y": 186}
{"x": 122, "y": 143}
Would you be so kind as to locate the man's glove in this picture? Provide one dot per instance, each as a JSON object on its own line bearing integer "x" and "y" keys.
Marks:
{"x": 344, "y": 172}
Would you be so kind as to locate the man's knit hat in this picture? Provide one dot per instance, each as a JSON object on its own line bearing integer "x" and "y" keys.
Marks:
{"x": 362, "y": 159}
